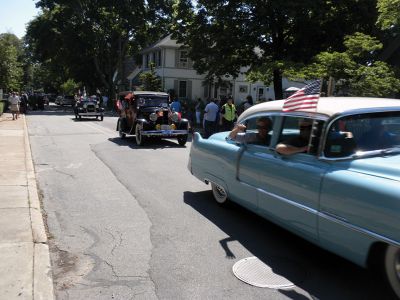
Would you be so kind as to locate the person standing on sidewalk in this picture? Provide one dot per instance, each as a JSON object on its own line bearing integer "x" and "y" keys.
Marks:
{"x": 210, "y": 118}
{"x": 228, "y": 115}
{"x": 198, "y": 108}
{"x": 14, "y": 105}
{"x": 248, "y": 103}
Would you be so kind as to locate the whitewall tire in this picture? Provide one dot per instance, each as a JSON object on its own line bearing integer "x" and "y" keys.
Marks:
{"x": 219, "y": 193}
{"x": 392, "y": 268}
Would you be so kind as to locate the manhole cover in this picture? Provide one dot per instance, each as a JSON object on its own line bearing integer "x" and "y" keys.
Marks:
{"x": 279, "y": 274}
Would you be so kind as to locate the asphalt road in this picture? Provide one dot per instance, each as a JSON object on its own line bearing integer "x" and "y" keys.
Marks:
{"x": 126, "y": 222}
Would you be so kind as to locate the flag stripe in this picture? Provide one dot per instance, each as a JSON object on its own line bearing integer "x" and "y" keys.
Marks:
{"x": 302, "y": 97}
{"x": 301, "y": 101}
{"x": 301, "y": 104}
{"x": 299, "y": 107}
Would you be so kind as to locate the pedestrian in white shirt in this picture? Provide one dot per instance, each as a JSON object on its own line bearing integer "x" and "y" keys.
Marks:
{"x": 14, "y": 101}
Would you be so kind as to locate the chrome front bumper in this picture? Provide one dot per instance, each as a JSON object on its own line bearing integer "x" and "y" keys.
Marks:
{"x": 90, "y": 113}
{"x": 164, "y": 133}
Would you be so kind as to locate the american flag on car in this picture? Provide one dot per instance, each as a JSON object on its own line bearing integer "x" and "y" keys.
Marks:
{"x": 304, "y": 99}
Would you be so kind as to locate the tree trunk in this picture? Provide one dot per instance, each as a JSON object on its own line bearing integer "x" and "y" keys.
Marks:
{"x": 100, "y": 72}
{"x": 278, "y": 84}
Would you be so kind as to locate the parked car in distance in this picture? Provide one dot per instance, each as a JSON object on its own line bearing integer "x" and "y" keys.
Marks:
{"x": 58, "y": 100}
{"x": 52, "y": 97}
{"x": 65, "y": 100}
{"x": 343, "y": 194}
{"x": 147, "y": 115}
{"x": 88, "y": 107}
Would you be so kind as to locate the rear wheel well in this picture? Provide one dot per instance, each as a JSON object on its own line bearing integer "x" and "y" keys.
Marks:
{"x": 383, "y": 260}
{"x": 375, "y": 256}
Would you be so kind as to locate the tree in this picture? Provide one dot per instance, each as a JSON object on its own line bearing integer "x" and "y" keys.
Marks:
{"x": 10, "y": 66}
{"x": 69, "y": 87}
{"x": 389, "y": 13}
{"x": 269, "y": 36}
{"x": 90, "y": 38}
{"x": 356, "y": 70}
{"x": 150, "y": 80}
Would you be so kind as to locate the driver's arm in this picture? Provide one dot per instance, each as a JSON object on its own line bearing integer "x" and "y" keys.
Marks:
{"x": 287, "y": 149}
{"x": 238, "y": 128}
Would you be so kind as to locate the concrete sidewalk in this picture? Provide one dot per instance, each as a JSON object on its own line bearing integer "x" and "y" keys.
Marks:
{"x": 25, "y": 270}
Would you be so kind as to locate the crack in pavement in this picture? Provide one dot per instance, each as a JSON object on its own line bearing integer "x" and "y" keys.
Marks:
{"x": 113, "y": 237}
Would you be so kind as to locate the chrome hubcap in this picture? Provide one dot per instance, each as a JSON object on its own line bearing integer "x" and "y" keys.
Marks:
{"x": 220, "y": 191}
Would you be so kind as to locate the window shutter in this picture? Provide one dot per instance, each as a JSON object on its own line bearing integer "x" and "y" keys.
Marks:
{"x": 176, "y": 87}
{"x": 177, "y": 58}
{"x": 189, "y": 90}
{"x": 205, "y": 94}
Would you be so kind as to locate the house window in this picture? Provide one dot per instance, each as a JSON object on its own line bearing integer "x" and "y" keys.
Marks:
{"x": 243, "y": 89}
{"x": 260, "y": 94}
{"x": 183, "y": 59}
{"x": 182, "y": 89}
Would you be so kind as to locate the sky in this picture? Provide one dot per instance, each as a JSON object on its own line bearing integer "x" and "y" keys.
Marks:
{"x": 15, "y": 14}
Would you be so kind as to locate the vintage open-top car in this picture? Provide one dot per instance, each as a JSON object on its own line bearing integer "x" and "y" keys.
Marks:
{"x": 88, "y": 107}
{"x": 147, "y": 115}
{"x": 342, "y": 193}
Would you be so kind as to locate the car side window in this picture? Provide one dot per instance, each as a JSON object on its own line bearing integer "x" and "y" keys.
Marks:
{"x": 363, "y": 132}
{"x": 301, "y": 132}
{"x": 259, "y": 130}
{"x": 290, "y": 129}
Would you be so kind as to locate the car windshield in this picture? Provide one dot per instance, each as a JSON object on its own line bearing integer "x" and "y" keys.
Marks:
{"x": 152, "y": 100}
{"x": 364, "y": 134}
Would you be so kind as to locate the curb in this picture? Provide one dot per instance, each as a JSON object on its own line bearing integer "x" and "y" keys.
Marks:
{"x": 42, "y": 277}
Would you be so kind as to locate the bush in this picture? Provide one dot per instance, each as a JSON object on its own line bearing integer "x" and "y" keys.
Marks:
{"x": 1, "y": 107}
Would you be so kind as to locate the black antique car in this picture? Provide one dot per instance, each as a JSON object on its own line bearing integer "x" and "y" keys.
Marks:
{"x": 88, "y": 107}
{"x": 147, "y": 115}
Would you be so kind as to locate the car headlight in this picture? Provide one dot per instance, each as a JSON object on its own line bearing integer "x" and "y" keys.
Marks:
{"x": 153, "y": 117}
{"x": 173, "y": 126}
{"x": 158, "y": 127}
{"x": 175, "y": 117}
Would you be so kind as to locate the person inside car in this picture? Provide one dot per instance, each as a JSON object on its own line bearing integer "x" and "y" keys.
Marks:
{"x": 377, "y": 137}
{"x": 298, "y": 144}
{"x": 264, "y": 126}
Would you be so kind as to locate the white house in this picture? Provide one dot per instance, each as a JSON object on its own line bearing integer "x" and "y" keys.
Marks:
{"x": 175, "y": 68}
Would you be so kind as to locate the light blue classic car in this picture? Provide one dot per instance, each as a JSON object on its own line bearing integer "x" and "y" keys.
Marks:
{"x": 341, "y": 193}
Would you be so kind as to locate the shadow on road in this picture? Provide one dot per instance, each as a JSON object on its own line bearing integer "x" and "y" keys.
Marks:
{"x": 93, "y": 119}
{"x": 154, "y": 144}
{"x": 326, "y": 276}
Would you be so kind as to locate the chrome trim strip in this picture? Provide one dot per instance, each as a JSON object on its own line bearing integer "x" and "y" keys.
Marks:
{"x": 303, "y": 207}
{"x": 338, "y": 220}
